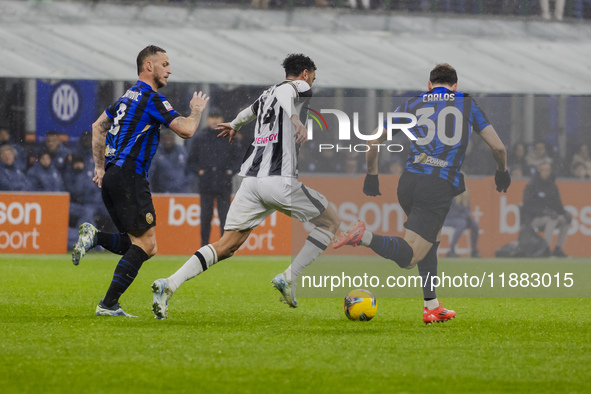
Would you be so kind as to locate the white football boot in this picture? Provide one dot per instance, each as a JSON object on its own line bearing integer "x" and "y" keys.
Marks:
{"x": 286, "y": 289}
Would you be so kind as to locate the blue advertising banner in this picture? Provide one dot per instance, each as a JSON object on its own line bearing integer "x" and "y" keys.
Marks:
{"x": 67, "y": 107}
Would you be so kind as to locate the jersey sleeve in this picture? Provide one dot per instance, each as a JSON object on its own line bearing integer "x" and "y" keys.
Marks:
{"x": 256, "y": 106}
{"x": 286, "y": 94}
{"x": 111, "y": 110}
{"x": 245, "y": 116}
{"x": 161, "y": 110}
{"x": 479, "y": 120}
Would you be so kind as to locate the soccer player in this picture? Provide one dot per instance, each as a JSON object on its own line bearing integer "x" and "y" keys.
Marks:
{"x": 126, "y": 137}
{"x": 431, "y": 178}
{"x": 270, "y": 184}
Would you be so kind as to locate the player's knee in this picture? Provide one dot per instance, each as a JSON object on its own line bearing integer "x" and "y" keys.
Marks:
{"x": 148, "y": 244}
{"x": 154, "y": 250}
{"x": 417, "y": 255}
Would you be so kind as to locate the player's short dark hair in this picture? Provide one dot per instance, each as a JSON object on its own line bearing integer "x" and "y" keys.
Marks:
{"x": 144, "y": 53}
{"x": 443, "y": 74}
{"x": 296, "y": 63}
{"x": 51, "y": 133}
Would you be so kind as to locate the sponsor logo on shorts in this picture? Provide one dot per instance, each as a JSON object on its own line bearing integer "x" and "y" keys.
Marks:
{"x": 149, "y": 218}
{"x": 424, "y": 158}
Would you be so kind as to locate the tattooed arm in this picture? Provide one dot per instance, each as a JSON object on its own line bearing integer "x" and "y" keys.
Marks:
{"x": 99, "y": 136}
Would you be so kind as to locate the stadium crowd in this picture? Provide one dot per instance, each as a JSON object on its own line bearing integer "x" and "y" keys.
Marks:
{"x": 54, "y": 166}
{"x": 206, "y": 165}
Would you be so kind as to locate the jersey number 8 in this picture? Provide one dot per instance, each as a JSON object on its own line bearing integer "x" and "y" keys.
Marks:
{"x": 120, "y": 114}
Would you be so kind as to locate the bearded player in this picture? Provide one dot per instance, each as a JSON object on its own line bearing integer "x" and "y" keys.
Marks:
{"x": 432, "y": 177}
{"x": 270, "y": 184}
{"x": 124, "y": 141}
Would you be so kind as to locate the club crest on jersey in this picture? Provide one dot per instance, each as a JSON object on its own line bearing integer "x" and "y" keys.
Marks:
{"x": 424, "y": 158}
{"x": 167, "y": 105}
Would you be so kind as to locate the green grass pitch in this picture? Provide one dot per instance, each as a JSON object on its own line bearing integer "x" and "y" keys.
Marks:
{"x": 227, "y": 333}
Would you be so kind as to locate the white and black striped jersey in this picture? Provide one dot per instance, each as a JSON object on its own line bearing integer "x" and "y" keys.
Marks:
{"x": 273, "y": 151}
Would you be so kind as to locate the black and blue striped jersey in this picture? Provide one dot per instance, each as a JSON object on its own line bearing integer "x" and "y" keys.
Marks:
{"x": 445, "y": 120}
{"x": 133, "y": 138}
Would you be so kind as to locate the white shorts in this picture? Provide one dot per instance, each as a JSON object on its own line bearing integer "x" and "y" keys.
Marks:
{"x": 258, "y": 198}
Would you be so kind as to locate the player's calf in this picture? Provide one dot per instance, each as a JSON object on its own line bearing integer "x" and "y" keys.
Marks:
{"x": 328, "y": 220}
{"x": 230, "y": 242}
{"x": 391, "y": 248}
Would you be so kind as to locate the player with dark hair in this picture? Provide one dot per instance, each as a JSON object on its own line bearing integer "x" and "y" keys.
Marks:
{"x": 431, "y": 179}
{"x": 296, "y": 63}
{"x": 126, "y": 137}
{"x": 270, "y": 184}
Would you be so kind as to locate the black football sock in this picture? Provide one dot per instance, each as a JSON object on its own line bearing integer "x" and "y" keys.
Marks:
{"x": 392, "y": 248}
{"x": 427, "y": 270}
{"x": 116, "y": 243}
{"x": 125, "y": 273}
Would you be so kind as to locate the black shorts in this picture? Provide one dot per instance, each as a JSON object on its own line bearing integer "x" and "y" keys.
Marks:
{"x": 426, "y": 200}
{"x": 127, "y": 196}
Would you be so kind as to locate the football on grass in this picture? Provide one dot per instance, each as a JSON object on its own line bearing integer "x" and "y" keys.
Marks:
{"x": 360, "y": 305}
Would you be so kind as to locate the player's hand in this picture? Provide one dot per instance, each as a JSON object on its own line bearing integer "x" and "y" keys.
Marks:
{"x": 371, "y": 186}
{"x": 99, "y": 173}
{"x": 227, "y": 131}
{"x": 199, "y": 101}
{"x": 301, "y": 133}
{"x": 502, "y": 180}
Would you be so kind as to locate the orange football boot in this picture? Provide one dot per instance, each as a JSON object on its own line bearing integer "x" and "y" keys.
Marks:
{"x": 350, "y": 237}
{"x": 439, "y": 314}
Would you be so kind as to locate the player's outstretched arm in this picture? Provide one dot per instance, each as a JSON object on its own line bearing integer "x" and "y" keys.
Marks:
{"x": 99, "y": 136}
{"x": 502, "y": 177}
{"x": 371, "y": 185}
{"x": 185, "y": 127}
{"x": 245, "y": 116}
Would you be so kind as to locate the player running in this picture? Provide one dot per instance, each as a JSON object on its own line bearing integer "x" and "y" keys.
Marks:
{"x": 270, "y": 184}
{"x": 431, "y": 179}
{"x": 126, "y": 136}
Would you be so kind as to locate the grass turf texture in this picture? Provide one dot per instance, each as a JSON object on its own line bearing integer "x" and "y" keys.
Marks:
{"x": 227, "y": 332}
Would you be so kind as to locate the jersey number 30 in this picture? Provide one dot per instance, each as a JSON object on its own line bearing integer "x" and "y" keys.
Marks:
{"x": 423, "y": 120}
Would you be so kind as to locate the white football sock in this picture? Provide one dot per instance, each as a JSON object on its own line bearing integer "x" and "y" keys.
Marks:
{"x": 432, "y": 304}
{"x": 366, "y": 238}
{"x": 199, "y": 262}
{"x": 316, "y": 243}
